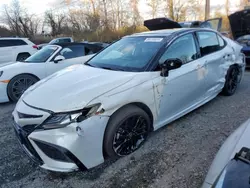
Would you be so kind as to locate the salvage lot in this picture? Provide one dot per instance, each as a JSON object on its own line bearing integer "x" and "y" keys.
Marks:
{"x": 177, "y": 155}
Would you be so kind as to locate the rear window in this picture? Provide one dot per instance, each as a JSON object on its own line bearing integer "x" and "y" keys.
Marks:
{"x": 9, "y": 43}
{"x": 64, "y": 40}
{"x": 208, "y": 42}
{"x": 73, "y": 51}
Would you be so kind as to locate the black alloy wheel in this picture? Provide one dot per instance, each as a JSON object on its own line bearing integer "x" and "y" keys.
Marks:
{"x": 232, "y": 80}
{"x": 130, "y": 135}
{"x": 18, "y": 85}
{"x": 126, "y": 131}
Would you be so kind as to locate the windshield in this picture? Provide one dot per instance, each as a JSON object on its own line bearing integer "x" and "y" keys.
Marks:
{"x": 128, "y": 54}
{"x": 42, "y": 55}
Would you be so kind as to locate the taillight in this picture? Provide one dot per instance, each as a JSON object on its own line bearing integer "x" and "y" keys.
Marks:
{"x": 35, "y": 46}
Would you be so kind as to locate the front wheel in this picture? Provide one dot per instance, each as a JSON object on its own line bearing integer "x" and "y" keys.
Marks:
{"x": 18, "y": 85}
{"x": 232, "y": 80}
{"x": 126, "y": 131}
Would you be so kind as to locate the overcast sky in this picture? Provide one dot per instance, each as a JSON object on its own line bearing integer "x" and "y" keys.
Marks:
{"x": 40, "y": 6}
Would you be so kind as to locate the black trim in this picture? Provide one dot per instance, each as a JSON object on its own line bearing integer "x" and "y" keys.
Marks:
{"x": 44, "y": 110}
{"x": 66, "y": 152}
{"x": 23, "y": 116}
{"x": 25, "y": 144}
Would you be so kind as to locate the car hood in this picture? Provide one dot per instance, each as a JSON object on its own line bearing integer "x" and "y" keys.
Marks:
{"x": 74, "y": 87}
{"x": 240, "y": 23}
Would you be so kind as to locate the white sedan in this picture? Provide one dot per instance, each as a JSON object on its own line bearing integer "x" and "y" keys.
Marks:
{"x": 16, "y": 78}
{"x": 106, "y": 107}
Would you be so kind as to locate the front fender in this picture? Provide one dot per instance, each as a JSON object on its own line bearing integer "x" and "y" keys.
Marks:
{"x": 142, "y": 92}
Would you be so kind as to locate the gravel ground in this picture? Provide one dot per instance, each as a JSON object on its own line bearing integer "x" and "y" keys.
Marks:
{"x": 177, "y": 155}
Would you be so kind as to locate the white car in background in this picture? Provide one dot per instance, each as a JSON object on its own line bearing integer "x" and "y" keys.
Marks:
{"x": 17, "y": 77}
{"x": 16, "y": 49}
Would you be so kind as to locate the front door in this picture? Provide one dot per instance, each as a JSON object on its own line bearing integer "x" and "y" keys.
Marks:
{"x": 183, "y": 89}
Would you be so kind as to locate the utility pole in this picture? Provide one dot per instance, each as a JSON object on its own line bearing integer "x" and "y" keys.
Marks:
{"x": 207, "y": 9}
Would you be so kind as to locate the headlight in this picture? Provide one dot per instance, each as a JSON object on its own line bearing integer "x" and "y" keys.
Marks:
{"x": 60, "y": 120}
{"x": 1, "y": 73}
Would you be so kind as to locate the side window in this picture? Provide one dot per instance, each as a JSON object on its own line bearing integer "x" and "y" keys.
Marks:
{"x": 64, "y": 40}
{"x": 208, "y": 42}
{"x": 183, "y": 48}
{"x": 222, "y": 43}
{"x": 9, "y": 43}
{"x": 88, "y": 51}
{"x": 73, "y": 51}
{"x": 18, "y": 42}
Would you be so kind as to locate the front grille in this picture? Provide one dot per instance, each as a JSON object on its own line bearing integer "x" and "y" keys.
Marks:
{"x": 26, "y": 145}
{"x": 29, "y": 128}
{"x": 54, "y": 152}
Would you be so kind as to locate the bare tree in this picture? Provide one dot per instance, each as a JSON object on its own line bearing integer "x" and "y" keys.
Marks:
{"x": 227, "y": 7}
{"x": 243, "y": 4}
{"x": 136, "y": 18}
{"x": 177, "y": 9}
{"x": 154, "y": 6}
{"x": 19, "y": 21}
{"x": 4, "y": 32}
{"x": 55, "y": 21}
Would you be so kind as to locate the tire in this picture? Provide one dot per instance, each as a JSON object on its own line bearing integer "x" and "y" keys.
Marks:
{"x": 22, "y": 57}
{"x": 121, "y": 138}
{"x": 232, "y": 80}
{"x": 19, "y": 84}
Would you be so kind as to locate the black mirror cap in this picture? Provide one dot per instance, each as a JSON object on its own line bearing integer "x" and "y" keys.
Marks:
{"x": 171, "y": 64}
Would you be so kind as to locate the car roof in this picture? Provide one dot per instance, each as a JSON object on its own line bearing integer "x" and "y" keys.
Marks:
{"x": 168, "y": 32}
{"x": 12, "y": 38}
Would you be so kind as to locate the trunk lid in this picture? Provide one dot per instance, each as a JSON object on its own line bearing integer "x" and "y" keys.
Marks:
{"x": 240, "y": 23}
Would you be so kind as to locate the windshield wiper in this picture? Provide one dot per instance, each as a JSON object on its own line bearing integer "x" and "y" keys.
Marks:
{"x": 90, "y": 65}
{"x": 115, "y": 69}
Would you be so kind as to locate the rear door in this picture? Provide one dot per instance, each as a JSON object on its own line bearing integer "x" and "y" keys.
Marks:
{"x": 214, "y": 55}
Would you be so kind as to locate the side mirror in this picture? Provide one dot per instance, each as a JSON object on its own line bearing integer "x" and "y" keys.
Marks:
{"x": 170, "y": 64}
{"x": 59, "y": 58}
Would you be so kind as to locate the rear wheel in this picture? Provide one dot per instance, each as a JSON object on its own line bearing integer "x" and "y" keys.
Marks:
{"x": 126, "y": 132}
{"x": 232, "y": 80}
{"x": 19, "y": 84}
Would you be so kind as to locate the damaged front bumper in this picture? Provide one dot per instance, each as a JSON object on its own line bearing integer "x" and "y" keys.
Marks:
{"x": 78, "y": 146}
